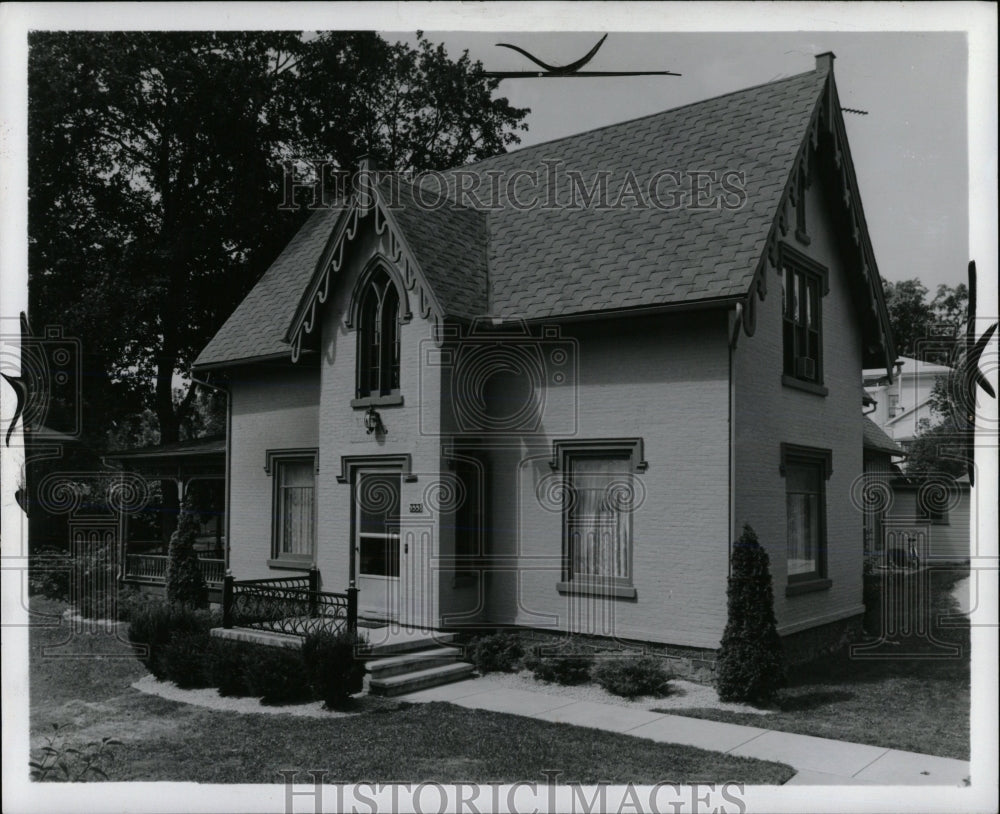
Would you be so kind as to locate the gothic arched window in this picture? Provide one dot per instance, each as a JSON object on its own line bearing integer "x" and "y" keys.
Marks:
{"x": 378, "y": 338}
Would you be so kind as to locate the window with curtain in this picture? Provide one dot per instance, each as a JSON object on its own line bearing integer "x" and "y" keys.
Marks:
{"x": 378, "y": 338}
{"x": 806, "y": 470}
{"x": 294, "y": 509}
{"x": 599, "y": 518}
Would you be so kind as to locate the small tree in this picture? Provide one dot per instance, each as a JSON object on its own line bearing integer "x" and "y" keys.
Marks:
{"x": 750, "y": 666}
{"x": 185, "y": 584}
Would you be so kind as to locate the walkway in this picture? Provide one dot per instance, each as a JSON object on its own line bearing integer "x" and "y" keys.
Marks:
{"x": 818, "y": 761}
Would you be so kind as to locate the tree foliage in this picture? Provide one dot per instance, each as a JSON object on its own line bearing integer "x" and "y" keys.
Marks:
{"x": 926, "y": 328}
{"x": 156, "y": 173}
{"x": 750, "y": 665}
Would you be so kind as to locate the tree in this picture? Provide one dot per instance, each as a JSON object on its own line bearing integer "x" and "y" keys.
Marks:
{"x": 926, "y": 329}
{"x": 156, "y": 173}
{"x": 750, "y": 665}
{"x": 185, "y": 583}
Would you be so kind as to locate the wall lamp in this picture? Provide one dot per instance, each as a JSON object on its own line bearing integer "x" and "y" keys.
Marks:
{"x": 373, "y": 421}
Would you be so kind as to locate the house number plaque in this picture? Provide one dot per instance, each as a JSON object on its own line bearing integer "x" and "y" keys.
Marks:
{"x": 416, "y": 508}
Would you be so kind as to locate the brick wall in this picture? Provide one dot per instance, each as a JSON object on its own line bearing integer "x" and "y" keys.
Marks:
{"x": 274, "y": 407}
{"x": 769, "y": 413}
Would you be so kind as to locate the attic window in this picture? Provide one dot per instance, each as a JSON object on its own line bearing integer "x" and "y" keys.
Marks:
{"x": 378, "y": 342}
{"x": 803, "y": 284}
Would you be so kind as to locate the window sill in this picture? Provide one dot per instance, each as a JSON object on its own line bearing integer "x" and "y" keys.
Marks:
{"x": 378, "y": 401}
{"x": 290, "y": 565}
{"x": 616, "y": 591}
{"x": 807, "y": 586}
{"x": 799, "y": 384}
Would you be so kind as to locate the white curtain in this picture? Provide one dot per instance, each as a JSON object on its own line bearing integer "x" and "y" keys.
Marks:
{"x": 599, "y": 520}
{"x": 297, "y": 488}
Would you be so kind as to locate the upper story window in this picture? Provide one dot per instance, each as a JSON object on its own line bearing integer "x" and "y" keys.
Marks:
{"x": 803, "y": 284}
{"x": 378, "y": 338}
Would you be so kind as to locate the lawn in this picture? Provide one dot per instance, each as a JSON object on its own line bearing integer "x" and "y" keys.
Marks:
{"x": 916, "y": 703}
{"x": 90, "y": 696}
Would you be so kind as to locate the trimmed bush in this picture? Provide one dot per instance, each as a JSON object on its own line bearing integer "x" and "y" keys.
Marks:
{"x": 229, "y": 666}
{"x": 276, "y": 675}
{"x": 569, "y": 664}
{"x": 496, "y": 653}
{"x": 185, "y": 584}
{"x": 332, "y": 667}
{"x": 750, "y": 665}
{"x": 156, "y": 623}
{"x": 185, "y": 660}
{"x": 49, "y": 573}
{"x": 632, "y": 677}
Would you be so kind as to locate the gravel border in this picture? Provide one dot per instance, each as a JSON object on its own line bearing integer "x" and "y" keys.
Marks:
{"x": 684, "y": 694}
{"x": 209, "y": 698}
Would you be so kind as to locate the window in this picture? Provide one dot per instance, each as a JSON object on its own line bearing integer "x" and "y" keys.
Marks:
{"x": 803, "y": 284}
{"x": 805, "y": 471}
{"x": 599, "y": 488}
{"x": 378, "y": 339}
{"x": 294, "y": 508}
{"x": 378, "y": 524}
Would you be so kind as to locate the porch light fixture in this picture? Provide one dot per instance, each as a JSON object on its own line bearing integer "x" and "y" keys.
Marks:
{"x": 373, "y": 421}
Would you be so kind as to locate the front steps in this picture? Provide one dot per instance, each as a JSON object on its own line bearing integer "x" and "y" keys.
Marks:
{"x": 415, "y": 660}
{"x": 398, "y": 662}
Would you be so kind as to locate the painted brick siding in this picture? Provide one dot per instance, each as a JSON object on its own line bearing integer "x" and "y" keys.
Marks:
{"x": 666, "y": 381}
{"x": 769, "y": 413}
{"x": 413, "y": 428}
{"x": 274, "y": 407}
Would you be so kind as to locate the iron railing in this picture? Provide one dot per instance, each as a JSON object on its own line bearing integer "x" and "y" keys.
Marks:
{"x": 152, "y": 569}
{"x": 292, "y": 605}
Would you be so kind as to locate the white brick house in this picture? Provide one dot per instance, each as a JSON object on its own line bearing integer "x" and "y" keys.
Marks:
{"x": 559, "y": 416}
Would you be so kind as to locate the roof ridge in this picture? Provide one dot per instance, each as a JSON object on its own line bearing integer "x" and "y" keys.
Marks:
{"x": 633, "y": 119}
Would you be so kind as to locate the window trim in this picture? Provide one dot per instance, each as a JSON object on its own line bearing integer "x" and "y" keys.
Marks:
{"x": 818, "y": 579}
{"x": 274, "y": 458}
{"x": 790, "y": 260}
{"x": 562, "y": 452}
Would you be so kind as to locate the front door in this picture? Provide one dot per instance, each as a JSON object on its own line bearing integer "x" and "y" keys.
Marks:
{"x": 376, "y": 542}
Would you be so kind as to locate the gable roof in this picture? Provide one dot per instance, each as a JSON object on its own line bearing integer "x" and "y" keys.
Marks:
{"x": 494, "y": 258}
{"x": 256, "y": 329}
{"x": 876, "y": 439}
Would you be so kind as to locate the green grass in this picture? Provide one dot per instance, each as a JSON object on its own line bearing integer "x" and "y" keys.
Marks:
{"x": 162, "y": 740}
{"x": 917, "y": 703}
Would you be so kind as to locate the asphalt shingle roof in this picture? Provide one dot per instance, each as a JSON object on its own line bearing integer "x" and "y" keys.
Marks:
{"x": 533, "y": 263}
{"x": 875, "y": 438}
{"x": 257, "y": 327}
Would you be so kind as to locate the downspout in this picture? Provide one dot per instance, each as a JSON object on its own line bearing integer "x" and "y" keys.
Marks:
{"x": 229, "y": 448}
{"x": 735, "y": 324}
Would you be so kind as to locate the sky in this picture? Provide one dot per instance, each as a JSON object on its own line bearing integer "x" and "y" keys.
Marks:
{"x": 910, "y": 152}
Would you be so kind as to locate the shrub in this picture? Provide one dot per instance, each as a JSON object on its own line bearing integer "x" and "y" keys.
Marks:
{"x": 276, "y": 675}
{"x": 49, "y": 573}
{"x": 632, "y": 677}
{"x": 94, "y": 579}
{"x": 332, "y": 667}
{"x": 156, "y": 623}
{"x": 185, "y": 584}
{"x": 750, "y": 665}
{"x": 497, "y": 653}
{"x": 185, "y": 659}
{"x": 570, "y": 664}
{"x": 229, "y": 666}
{"x": 130, "y": 601}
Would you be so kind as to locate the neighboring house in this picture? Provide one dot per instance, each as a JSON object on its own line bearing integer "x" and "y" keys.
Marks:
{"x": 559, "y": 417}
{"x": 876, "y": 496}
{"x": 903, "y": 400}
{"x": 933, "y": 515}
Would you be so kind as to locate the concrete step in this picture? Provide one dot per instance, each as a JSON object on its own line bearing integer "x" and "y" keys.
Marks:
{"x": 406, "y": 641}
{"x": 411, "y": 662}
{"x": 421, "y": 679}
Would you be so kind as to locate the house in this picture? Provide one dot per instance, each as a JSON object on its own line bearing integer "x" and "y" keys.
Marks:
{"x": 876, "y": 494}
{"x": 554, "y": 403}
{"x": 903, "y": 401}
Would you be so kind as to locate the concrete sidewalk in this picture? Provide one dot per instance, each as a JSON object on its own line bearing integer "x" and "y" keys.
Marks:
{"x": 818, "y": 761}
